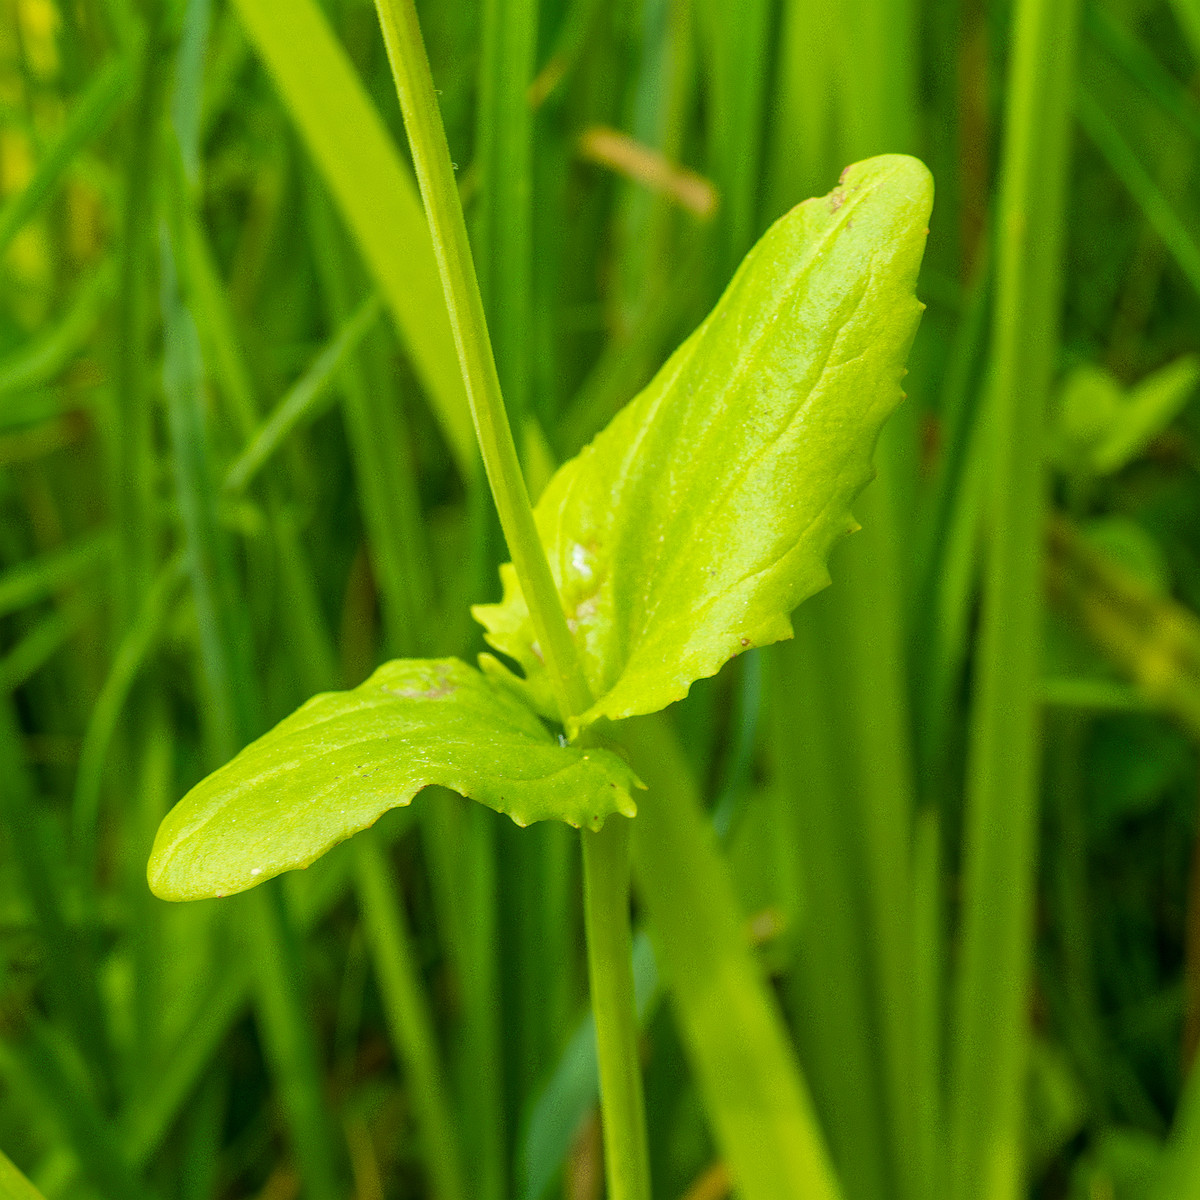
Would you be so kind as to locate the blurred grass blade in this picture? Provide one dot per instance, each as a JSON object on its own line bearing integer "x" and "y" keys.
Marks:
{"x": 33, "y": 581}
{"x": 43, "y": 1068}
{"x": 221, "y": 998}
{"x": 1175, "y": 231}
{"x": 186, "y": 97}
{"x": 1187, "y": 12}
{"x": 106, "y": 712}
{"x": 374, "y": 192}
{"x": 91, "y": 113}
{"x": 220, "y": 616}
{"x": 503, "y": 225}
{"x": 1180, "y": 1177}
{"x": 828, "y": 986}
{"x": 738, "y": 44}
{"x": 1144, "y": 67}
{"x": 986, "y": 1121}
{"x": 408, "y": 1016}
{"x": 744, "y": 1064}
{"x": 71, "y": 974}
{"x": 32, "y": 652}
{"x": 232, "y": 692}
{"x": 381, "y": 454}
{"x": 300, "y": 402}
{"x": 40, "y": 360}
{"x": 14, "y": 1185}
{"x": 574, "y": 1087}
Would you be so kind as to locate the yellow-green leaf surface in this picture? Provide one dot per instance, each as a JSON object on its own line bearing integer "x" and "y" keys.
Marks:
{"x": 342, "y": 760}
{"x": 374, "y": 191}
{"x": 693, "y": 525}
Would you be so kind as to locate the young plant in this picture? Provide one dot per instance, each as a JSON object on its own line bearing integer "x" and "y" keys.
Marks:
{"x": 686, "y": 533}
{"x": 683, "y": 535}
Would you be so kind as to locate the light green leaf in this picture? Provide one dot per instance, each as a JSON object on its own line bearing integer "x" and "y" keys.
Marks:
{"x": 343, "y": 759}
{"x": 691, "y": 527}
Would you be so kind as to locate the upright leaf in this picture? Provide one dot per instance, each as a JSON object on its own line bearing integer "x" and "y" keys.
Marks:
{"x": 343, "y": 759}
{"x": 691, "y": 527}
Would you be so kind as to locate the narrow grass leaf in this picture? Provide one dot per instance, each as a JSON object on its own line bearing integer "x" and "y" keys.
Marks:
{"x": 1187, "y": 13}
{"x": 1180, "y": 1177}
{"x": 14, "y": 1185}
{"x": 92, "y": 111}
{"x": 374, "y": 191}
{"x": 106, "y": 712}
{"x": 302, "y": 398}
{"x": 986, "y": 1129}
{"x": 1174, "y": 230}
{"x": 41, "y": 359}
{"x": 754, "y": 1095}
{"x": 574, "y": 1087}
{"x": 33, "y": 581}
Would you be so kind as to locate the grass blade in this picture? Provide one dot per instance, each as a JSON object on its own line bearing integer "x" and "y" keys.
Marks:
{"x": 986, "y": 1131}
{"x": 360, "y": 165}
{"x": 93, "y": 110}
{"x": 232, "y": 691}
{"x": 755, "y": 1097}
{"x": 1176, "y": 235}
{"x": 14, "y": 1185}
{"x": 302, "y": 398}
{"x": 409, "y": 1017}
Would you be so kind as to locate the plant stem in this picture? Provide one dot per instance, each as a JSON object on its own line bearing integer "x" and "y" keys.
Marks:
{"x": 606, "y": 854}
{"x": 610, "y": 967}
{"x": 435, "y": 175}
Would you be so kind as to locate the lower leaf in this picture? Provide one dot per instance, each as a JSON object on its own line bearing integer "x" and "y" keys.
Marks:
{"x": 343, "y": 759}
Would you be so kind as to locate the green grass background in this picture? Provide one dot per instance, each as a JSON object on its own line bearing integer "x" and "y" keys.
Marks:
{"x": 958, "y": 812}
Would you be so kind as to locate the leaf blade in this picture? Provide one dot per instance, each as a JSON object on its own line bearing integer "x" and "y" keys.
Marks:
{"x": 343, "y": 759}
{"x": 703, "y": 514}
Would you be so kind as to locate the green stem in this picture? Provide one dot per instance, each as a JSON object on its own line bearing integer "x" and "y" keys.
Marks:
{"x": 435, "y": 175}
{"x": 610, "y": 965}
{"x": 608, "y": 853}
